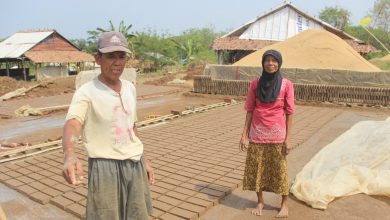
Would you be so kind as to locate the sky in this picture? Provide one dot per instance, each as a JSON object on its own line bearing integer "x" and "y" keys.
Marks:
{"x": 73, "y": 18}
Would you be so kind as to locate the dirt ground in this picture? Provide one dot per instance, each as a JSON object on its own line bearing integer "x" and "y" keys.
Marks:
{"x": 179, "y": 97}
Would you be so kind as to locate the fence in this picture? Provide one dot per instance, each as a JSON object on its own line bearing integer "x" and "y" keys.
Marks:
{"x": 303, "y": 92}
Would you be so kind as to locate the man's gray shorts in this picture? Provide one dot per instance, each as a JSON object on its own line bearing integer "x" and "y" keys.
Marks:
{"x": 117, "y": 190}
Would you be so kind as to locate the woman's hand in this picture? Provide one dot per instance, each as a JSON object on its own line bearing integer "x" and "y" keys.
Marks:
{"x": 287, "y": 146}
{"x": 242, "y": 145}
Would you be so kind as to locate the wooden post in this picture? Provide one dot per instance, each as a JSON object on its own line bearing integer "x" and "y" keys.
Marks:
{"x": 220, "y": 56}
{"x": 7, "y": 67}
{"x": 24, "y": 70}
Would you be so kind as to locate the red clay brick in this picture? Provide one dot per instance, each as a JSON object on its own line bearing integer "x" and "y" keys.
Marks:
{"x": 26, "y": 189}
{"x": 62, "y": 187}
{"x": 200, "y": 210}
{"x": 235, "y": 176}
{"x": 82, "y": 191}
{"x": 184, "y": 213}
{"x": 211, "y": 175}
{"x": 154, "y": 195}
{"x": 83, "y": 202}
{"x": 34, "y": 168}
{"x": 231, "y": 186}
{"x": 171, "y": 181}
{"x": 58, "y": 178}
{"x": 177, "y": 195}
{"x": 39, "y": 186}
{"x": 24, "y": 171}
{"x": 191, "y": 186}
{"x": 13, "y": 183}
{"x": 179, "y": 177}
{"x": 40, "y": 197}
{"x": 73, "y": 196}
{"x": 158, "y": 189}
{"x": 213, "y": 192}
{"x": 210, "y": 198}
{"x": 165, "y": 185}
{"x": 162, "y": 173}
{"x": 43, "y": 166}
{"x": 48, "y": 181}
{"x": 205, "y": 178}
{"x": 219, "y": 188}
{"x": 12, "y": 166}
{"x": 4, "y": 169}
{"x": 185, "y": 191}
{"x": 14, "y": 174}
{"x": 4, "y": 177}
{"x": 168, "y": 216}
{"x": 157, "y": 212}
{"x": 36, "y": 176}
{"x": 52, "y": 192}
{"x": 46, "y": 173}
{"x": 200, "y": 202}
{"x": 162, "y": 205}
{"x": 168, "y": 169}
{"x": 76, "y": 209}
{"x": 169, "y": 200}
{"x": 230, "y": 180}
{"x": 216, "y": 171}
{"x": 55, "y": 170}
{"x": 61, "y": 202}
{"x": 25, "y": 179}
{"x": 190, "y": 170}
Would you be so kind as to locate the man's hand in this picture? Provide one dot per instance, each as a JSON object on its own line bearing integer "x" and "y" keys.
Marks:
{"x": 73, "y": 170}
{"x": 150, "y": 172}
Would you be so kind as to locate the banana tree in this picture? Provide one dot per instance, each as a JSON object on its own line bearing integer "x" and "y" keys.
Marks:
{"x": 186, "y": 50}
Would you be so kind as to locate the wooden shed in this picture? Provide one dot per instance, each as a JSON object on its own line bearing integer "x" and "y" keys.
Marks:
{"x": 50, "y": 53}
{"x": 274, "y": 26}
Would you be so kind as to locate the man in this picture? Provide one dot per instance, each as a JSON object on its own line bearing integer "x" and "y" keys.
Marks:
{"x": 103, "y": 112}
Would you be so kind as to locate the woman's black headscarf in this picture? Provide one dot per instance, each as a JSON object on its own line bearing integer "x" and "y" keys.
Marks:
{"x": 269, "y": 83}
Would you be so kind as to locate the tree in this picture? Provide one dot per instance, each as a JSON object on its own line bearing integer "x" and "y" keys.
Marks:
{"x": 123, "y": 28}
{"x": 336, "y": 16}
{"x": 381, "y": 14}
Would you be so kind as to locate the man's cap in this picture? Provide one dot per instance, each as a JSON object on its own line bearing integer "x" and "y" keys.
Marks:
{"x": 112, "y": 41}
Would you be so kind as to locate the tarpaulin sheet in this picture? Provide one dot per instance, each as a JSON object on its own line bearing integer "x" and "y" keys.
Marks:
{"x": 358, "y": 161}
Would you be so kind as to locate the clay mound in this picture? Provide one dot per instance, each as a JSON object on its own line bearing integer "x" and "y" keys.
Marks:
{"x": 48, "y": 87}
{"x": 314, "y": 49}
{"x": 8, "y": 84}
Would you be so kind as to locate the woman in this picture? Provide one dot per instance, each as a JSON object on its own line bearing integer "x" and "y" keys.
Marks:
{"x": 269, "y": 106}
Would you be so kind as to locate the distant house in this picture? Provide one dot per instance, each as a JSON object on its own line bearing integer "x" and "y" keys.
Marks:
{"x": 48, "y": 50}
{"x": 277, "y": 25}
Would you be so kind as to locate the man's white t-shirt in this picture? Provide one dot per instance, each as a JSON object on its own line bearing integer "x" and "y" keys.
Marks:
{"x": 107, "y": 118}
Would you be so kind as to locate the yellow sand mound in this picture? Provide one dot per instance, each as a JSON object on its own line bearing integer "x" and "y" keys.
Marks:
{"x": 314, "y": 49}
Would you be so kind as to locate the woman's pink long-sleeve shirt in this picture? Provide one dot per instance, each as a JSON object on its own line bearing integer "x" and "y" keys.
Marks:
{"x": 269, "y": 119}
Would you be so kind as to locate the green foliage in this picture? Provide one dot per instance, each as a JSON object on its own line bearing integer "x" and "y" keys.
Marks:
{"x": 336, "y": 16}
{"x": 154, "y": 50}
{"x": 360, "y": 33}
{"x": 194, "y": 45}
{"x": 87, "y": 46}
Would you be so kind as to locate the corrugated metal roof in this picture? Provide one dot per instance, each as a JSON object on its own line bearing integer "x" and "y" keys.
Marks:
{"x": 19, "y": 43}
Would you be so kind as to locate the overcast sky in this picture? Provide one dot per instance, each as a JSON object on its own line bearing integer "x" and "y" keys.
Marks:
{"x": 73, "y": 18}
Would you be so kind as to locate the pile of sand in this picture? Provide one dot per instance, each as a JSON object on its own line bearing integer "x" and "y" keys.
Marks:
{"x": 314, "y": 49}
